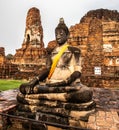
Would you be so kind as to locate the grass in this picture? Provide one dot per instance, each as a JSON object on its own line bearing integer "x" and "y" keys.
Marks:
{"x": 9, "y": 84}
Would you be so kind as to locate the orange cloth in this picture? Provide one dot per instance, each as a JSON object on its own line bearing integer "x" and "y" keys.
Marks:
{"x": 56, "y": 59}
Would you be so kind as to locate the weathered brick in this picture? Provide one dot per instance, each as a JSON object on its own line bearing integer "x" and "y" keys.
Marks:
{"x": 91, "y": 119}
{"x": 101, "y": 113}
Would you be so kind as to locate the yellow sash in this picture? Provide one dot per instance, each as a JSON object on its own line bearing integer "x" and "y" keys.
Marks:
{"x": 56, "y": 59}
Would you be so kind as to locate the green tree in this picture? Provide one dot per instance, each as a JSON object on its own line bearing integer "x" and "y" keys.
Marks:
{"x": 9, "y": 57}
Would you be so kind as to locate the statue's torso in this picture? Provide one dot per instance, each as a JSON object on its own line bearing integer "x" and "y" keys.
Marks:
{"x": 65, "y": 66}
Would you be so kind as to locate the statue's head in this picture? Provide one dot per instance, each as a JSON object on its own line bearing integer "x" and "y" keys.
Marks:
{"x": 61, "y": 32}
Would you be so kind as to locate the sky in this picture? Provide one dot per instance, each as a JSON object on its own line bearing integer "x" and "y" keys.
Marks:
{"x": 13, "y": 17}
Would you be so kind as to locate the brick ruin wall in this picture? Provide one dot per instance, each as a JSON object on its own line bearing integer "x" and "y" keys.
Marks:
{"x": 97, "y": 35}
{"x": 7, "y": 69}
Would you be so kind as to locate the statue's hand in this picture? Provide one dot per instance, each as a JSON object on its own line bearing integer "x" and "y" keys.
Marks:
{"x": 27, "y": 88}
{"x": 62, "y": 83}
{"x": 66, "y": 82}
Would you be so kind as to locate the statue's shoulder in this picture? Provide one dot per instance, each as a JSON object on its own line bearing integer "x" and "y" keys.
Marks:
{"x": 74, "y": 49}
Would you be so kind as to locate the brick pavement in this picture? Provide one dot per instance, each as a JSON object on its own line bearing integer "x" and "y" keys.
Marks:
{"x": 7, "y": 103}
{"x": 107, "y": 109}
{"x": 8, "y": 100}
{"x": 104, "y": 120}
{"x": 106, "y": 98}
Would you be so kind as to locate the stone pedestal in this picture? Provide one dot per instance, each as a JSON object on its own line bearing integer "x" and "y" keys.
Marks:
{"x": 57, "y": 107}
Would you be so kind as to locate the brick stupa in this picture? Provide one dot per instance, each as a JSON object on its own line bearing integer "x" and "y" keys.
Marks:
{"x": 32, "y": 53}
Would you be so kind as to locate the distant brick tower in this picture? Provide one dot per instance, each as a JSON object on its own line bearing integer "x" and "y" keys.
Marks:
{"x": 32, "y": 51}
{"x": 2, "y": 55}
{"x": 33, "y": 33}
